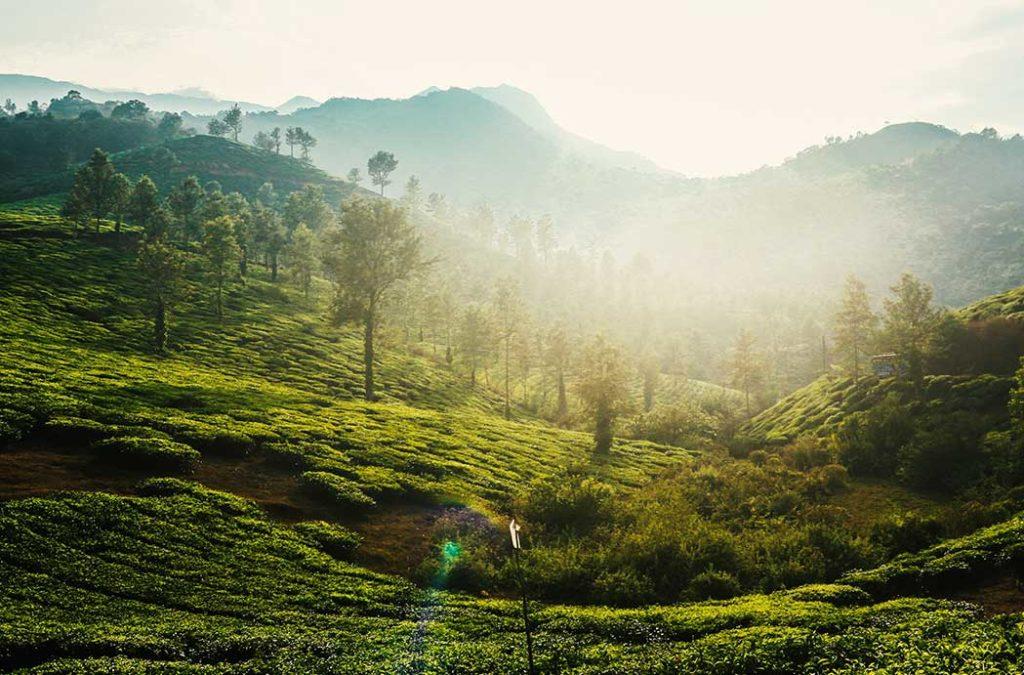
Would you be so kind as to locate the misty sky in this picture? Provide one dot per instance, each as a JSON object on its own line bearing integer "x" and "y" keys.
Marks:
{"x": 704, "y": 87}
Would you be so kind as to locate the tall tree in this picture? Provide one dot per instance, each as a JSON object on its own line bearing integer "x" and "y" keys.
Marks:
{"x": 308, "y": 206}
{"x": 545, "y": 237}
{"x": 508, "y": 314}
{"x": 291, "y": 139}
{"x": 161, "y": 270}
{"x": 217, "y": 127}
{"x": 557, "y": 354}
{"x": 170, "y": 125}
{"x": 650, "y": 372}
{"x": 184, "y": 201}
{"x": 354, "y": 176}
{"x": 130, "y": 110}
{"x": 143, "y": 205}
{"x": 221, "y": 252}
{"x": 10, "y": 107}
{"x": 275, "y": 139}
{"x": 855, "y": 323}
{"x": 373, "y": 249}
{"x": 120, "y": 198}
{"x": 413, "y": 197}
{"x": 263, "y": 141}
{"x": 301, "y": 253}
{"x": 93, "y": 190}
{"x": 473, "y": 340}
{"x": 745, "y": 366}
{"x": 305, "y": 141}
{"x": 380, "y": 166}
{"x": 603, "y": 388}
{"x": 910, "y": 319}
{"x": 233, "y": 121}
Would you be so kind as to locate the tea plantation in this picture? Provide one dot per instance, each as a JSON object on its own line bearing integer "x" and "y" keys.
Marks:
{"x": 183, "y": 579}
{"x": 168, "y": 575}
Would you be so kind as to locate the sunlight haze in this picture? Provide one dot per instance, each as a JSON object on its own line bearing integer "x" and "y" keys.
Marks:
{"x": 704, "y": 88}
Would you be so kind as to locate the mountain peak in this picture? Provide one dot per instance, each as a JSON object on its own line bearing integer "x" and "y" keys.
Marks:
{"x": 297, "y": 103}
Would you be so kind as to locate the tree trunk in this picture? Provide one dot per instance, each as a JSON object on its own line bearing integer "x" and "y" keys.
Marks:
{"x": 508, "y": 408}
{"x": 243, "y": 263}
{"x": 603, "y": 430}
{"x": 368, "y": 356}
{"x": 273, "y": 267}
{"x": 563, "y": 402}
{"x": 160, "y": 326}
{"x": 220, "y": 299}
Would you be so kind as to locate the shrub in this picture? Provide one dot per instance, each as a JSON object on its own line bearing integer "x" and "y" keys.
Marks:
{"x": 906, "y": 533}
{"x": 147, "y": 453}
{"x": 568, "y": 502}
{"x": 171, "y": 487}
{"x": 468, "y": 551}
{"x": 334, "y": 540}
{"x": 869, "y": 441}
{"x": 623, "y": 588}
{"x": 335, "y": 488}
{"x": 713, "y": 585}
{"x": 805, "y": 453}
{"x": 76, "y": 430}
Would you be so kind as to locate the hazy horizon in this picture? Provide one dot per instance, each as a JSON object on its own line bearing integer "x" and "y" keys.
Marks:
{"x": 708, "y": 89}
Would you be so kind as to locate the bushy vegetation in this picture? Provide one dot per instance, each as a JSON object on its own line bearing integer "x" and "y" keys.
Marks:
{"x": 197, "y": 581}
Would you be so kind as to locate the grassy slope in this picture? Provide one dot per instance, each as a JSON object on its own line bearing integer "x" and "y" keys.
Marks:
{"x": 1008, "y": 304}
{"x": 272, "y": 379}
{"x": 818, "y": 408}
{"x": 236, "y": 166}
{"x": 187, "y": 579}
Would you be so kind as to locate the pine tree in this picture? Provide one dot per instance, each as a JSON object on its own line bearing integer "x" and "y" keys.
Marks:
{"x": 221, "y": 252}
{"x": 855, "y": 323}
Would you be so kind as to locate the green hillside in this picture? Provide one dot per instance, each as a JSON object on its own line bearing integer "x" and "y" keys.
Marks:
{"x": 819, "y": 408}
{"x": 273, "y": 380}
{"x": 1009, "y": 304}
{"x": 236, "y": 166}
{"x": 186, "y": 580}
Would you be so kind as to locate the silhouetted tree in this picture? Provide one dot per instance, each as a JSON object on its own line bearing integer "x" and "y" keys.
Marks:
{"x": 854, "y": 323}
{"x": 302, "y": 253}
{"x": 373, "y": 249}
{"x": 380, "y": 166}
{"x": 144, "y": 205}
{"x": 221, "y": 252}
{"x": 120, "y": 198}
{"x": 910, "y": 319}
{"x": 745, "y": 366}
{"x": 217, "y": 127}
{"x": 184, "y": 201}
{"x": 603, "y": 389}
{"x": 130, "y": 110}
{"x": 473, "y": 340}
{"x": 233, "y": 121}
{"x": 161, "y": 270}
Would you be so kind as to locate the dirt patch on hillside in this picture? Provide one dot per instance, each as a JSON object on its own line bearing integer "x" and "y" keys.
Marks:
{"x": 396, "y": 535}
{"x": 999, "y": 595}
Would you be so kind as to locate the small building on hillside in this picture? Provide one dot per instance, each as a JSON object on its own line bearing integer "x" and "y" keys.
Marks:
{"x": 885, "y": 365}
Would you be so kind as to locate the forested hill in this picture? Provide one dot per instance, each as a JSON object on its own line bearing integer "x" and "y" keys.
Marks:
{"x": 237, "y": 167}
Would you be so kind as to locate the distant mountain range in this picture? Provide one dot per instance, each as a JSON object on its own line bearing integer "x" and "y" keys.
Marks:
{"x": 917, "y": 196}
{"x": 24, "y": 88}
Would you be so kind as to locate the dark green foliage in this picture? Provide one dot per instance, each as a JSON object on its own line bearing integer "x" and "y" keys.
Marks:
{"x": 332, "y": 539}
{"x": 150, "y": 454}
{"x": 198, "y": 581}
{"x": 336, "y": 489}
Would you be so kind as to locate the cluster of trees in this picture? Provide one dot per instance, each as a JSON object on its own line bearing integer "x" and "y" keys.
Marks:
{"x": 230, "y": 122}
{"x": 923, "y": 338}
{"x": 36, "y": 144}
